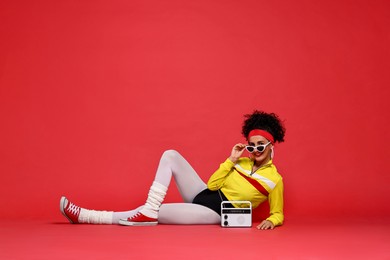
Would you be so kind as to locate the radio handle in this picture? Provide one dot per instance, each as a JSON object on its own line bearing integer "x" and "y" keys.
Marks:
{"x": 236, "y": 202}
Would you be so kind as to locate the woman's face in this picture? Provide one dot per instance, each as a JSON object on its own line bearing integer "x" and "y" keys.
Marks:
{"x": 260, "y": 158}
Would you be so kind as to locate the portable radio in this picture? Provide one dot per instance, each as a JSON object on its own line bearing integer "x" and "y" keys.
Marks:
{"x": 236, "y": 217}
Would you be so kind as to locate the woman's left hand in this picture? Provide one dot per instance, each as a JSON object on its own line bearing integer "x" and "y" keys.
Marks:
{"x": 266, "y": 224}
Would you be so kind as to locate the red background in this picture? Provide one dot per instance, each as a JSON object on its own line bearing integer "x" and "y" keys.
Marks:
{"x": 92, "y": 93}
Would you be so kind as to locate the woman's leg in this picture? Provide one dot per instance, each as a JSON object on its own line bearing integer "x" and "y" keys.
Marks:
{"x": 188, "y": 182}
{"x": 171, "y": 164}
{"x": 76, "y": 214}
{"x": 187, "y": 214}
{"x": 79, "y": 215}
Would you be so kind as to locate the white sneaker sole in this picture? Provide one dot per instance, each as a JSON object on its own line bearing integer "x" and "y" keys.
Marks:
{"x": 124, "y": 222}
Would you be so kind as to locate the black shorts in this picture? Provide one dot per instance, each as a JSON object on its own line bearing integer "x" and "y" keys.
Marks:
{"x": 211, "y": 199}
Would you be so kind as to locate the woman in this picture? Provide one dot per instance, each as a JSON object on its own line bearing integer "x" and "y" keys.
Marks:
{"x": 254, "y": 179}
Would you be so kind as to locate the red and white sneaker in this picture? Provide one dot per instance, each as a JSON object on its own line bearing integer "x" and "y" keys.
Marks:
{"x": 138, "y": 219}
{"x": 70, "y": 210}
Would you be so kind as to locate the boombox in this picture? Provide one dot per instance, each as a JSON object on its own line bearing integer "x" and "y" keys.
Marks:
{"x": 236, "y": 217}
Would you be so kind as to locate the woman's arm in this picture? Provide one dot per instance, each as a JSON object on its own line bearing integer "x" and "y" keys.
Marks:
{"x": 216, "y": 180}
{"x": 276, "y": 203}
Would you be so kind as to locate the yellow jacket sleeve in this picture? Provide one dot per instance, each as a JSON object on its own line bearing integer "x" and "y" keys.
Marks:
{"x": 275, "y": 199}
{"x": 217, "y": 179}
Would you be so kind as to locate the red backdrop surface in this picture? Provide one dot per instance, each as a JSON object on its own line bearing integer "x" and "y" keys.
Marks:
{"x": 92, "y": 93}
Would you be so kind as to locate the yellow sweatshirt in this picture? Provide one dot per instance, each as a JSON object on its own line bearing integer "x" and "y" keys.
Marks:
{"x": 229, "y": 178}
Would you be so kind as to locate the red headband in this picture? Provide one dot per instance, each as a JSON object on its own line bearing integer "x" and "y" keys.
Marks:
{"x": 263, "y": 133}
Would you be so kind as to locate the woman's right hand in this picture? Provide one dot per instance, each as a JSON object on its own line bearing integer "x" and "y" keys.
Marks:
{"x": 237, "y": 151}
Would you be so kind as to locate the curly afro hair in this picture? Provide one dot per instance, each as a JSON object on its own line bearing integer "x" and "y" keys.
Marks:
{"x": 269, "y": 122}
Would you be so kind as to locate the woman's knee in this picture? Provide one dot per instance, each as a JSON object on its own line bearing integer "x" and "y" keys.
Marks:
{"x": 170, "y": 155}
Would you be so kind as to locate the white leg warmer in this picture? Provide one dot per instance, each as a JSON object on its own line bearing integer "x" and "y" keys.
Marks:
{"x": 95, "y": 216}
{"x": 155, "y": 198}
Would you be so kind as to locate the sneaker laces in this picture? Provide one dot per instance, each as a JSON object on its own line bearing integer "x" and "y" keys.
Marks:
{"x": 73, "y": 209}
{"x": 135, "y": 216}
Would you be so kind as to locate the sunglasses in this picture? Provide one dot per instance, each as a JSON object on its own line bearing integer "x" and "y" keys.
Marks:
{"x": 259, "y": 148}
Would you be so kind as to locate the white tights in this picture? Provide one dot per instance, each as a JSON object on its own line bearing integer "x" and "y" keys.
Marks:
{"x": 189, "y": 185}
